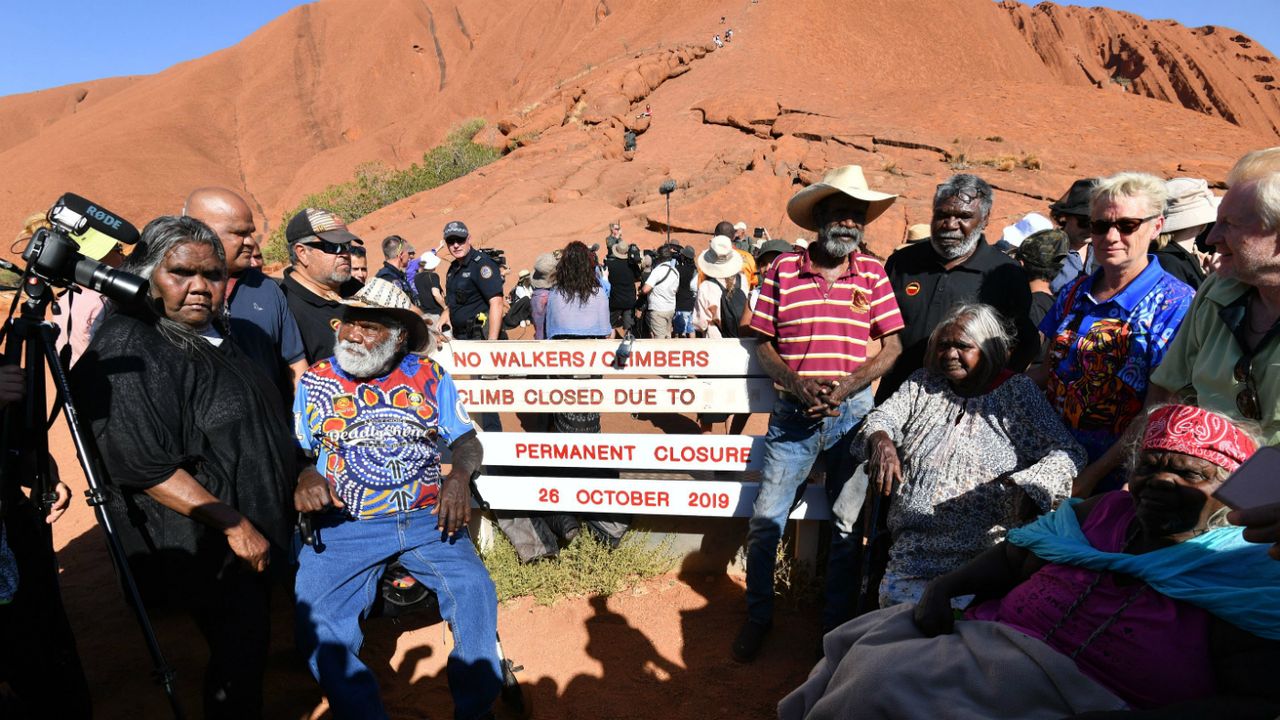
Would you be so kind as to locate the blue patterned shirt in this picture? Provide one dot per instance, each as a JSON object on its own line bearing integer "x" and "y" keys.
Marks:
{"x": 375, "y": 439}
{"x": 1102, "y": 353}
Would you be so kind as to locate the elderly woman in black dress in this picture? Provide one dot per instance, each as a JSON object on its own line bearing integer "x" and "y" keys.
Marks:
{"x": 199, "y": 455}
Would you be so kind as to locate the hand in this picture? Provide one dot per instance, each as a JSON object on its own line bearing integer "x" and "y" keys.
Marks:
{"x": 249, "y": 545}
{"x": 314, "y": 493}
{"x": 454, "y": 504}
{"x": 884, "y": 469}
{"x": 808, "y": 391}
{"x": 60, "y": 503}
{"x": 1262, "y": 525}
{"x": 836, "y": 392}
{"x": 11, "y": 384}
{"x": 933, "y": 614}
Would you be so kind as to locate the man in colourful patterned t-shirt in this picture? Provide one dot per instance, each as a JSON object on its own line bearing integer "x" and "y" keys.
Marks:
{"x": 816, "y": 314}
{"x": 372, "y": 416}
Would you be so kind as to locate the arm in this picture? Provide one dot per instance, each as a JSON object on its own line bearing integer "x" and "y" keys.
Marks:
{"x": 296, "y": 369}
{"x": 182, "y": 494}
{"x": 992, "y": 574}
{"x": 807, "y": 390}
{"x": 1048, "y": 455}
{"x": 876, "y": 367}
{"x": 883, "y": 430}
{"x": 496, "y": 311}
{"x": 454, "y": 505}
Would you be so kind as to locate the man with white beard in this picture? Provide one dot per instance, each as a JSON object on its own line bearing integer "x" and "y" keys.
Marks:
{"x": 816, "y": 313}
{"x": 956, "y": 265}
{"x": 372, "y": 416}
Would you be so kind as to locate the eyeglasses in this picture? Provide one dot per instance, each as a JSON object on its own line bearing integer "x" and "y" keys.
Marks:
{"x": 1247, "y": 399}
{"x": 329, "y": 248}
{"x": 1126, "y": 226}
{"x": 455, "y": 240}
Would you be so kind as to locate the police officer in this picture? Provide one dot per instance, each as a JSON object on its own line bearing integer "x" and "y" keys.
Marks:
{"x": 473, "y": 294}
{"x": 473, "y": 288}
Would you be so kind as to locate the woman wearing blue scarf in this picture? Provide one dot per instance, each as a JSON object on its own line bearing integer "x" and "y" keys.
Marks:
{"x": 1142, "y": 599}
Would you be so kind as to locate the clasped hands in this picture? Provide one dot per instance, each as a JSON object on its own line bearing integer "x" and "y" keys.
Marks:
{"x": 821, "y": 398}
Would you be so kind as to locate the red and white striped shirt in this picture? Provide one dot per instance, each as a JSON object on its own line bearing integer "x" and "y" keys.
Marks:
{"x": 823, "y": 330}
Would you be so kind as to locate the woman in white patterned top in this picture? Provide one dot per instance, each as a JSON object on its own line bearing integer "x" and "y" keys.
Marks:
{"x": 972, "y": 448}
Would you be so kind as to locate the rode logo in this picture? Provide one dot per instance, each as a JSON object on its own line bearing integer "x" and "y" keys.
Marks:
{"x": 103, "y": 217}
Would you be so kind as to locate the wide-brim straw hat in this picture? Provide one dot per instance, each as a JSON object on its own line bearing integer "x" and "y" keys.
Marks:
{"x": 848, "y": 180}
{"x": 918, "y": 232}
{"x": 720, "y": 260}
{"x": 382, "y": 296}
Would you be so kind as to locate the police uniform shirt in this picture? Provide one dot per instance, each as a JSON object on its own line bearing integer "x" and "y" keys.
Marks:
{"x": 926, "y": 291}
{"x": 470, "y": 283}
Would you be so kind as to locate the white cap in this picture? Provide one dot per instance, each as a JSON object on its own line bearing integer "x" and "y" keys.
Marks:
{"x": 1029, "y": 225}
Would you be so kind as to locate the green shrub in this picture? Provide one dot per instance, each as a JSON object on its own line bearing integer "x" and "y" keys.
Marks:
{"x": 586, "y": 567}
{"x": 376, "y": 186}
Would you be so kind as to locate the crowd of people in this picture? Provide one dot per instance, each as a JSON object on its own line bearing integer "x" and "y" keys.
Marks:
{"x": 1037, "y": 426}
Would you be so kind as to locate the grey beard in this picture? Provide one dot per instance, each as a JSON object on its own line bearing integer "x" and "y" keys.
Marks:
{"x": 839, "y": 241}
{"x": 951, "y": 252}
{"x": 359, "y": 362}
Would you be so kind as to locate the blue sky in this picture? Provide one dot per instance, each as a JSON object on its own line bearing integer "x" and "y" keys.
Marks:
{"x": 57, "y": 42}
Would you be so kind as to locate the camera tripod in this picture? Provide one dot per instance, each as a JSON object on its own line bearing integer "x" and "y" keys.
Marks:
{"x": 30, "y": 338}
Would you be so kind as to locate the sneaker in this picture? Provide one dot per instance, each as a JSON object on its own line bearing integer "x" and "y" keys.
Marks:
{"x": 747, "y": 645}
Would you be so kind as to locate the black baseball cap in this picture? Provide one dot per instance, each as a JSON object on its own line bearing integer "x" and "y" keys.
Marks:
{"x": 456, "y": 228}
{"x": 315, "y": 222}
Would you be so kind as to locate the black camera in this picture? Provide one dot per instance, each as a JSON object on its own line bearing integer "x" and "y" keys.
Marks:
{"x": 496, "y": 255}
{"x": 667, "y": 187}
{"x": 53, "y": 255}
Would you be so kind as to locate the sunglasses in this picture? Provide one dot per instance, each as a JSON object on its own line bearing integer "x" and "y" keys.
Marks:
{"x": 455, "y": 240}
{"x": 1247, "y": 399}
{"x": 329, "y": 248}
{"x": 1126, "y": 226}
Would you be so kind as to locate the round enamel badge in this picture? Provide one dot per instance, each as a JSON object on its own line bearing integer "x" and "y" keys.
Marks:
{"x": 913, "y": 289}
{"x": 486, "y": 272}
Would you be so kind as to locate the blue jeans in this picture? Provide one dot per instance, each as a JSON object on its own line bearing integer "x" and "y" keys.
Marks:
{"x": 792, "y": 445}
{"x": 337, "y": 586}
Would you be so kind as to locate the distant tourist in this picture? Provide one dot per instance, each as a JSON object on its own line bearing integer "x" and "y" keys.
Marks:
{"x": 398, "y": 253}
{"x": 1071, "y": 213}
{"x": 1192, "y": 209}
{"x": 359, "y": 263}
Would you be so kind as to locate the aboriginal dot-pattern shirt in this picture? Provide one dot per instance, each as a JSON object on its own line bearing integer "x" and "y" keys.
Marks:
{"x": 376, "y": 440}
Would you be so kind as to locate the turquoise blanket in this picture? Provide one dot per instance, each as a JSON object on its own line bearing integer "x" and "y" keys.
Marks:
{"x": 1219, "y": 571}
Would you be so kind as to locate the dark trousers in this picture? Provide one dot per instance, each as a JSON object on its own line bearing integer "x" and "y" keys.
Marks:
{"x": 235, "y": 619}
{"x": 37, "y": 650}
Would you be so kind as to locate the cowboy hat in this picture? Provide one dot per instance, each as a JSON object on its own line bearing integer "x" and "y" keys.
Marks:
{"x": 720, "y": 260}
{"x": 848, "y": 180}
{"x": 383, "y": 297}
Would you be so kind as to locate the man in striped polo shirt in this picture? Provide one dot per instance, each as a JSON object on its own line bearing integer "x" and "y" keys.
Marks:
{"x": 817, "y": 312}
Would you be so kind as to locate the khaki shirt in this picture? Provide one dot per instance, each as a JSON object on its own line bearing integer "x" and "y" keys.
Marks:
{"x": 1201, "y": 360}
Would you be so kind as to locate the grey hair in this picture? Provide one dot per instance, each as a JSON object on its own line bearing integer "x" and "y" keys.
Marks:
{"x": 969, "y": 186}
{"x": 159, "y": 238}
{"x": 985, "y": 327}
{"x": 1133, "y": 185}
{"x": 1266, "y": 200}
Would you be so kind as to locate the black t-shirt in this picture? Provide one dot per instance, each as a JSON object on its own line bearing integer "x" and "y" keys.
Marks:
{"x": 424, "y": 281}
{"x": 315, "y": 315}
{"x": 1178, "y": 263}
{"x": 926, "y": 291}
{"x": 469, "y": 286}
{"x": 1041, "y": 302}
{"x": 154, "y": 409}
{"x": 622, "y": 284}
{"x": 685, "y": 294}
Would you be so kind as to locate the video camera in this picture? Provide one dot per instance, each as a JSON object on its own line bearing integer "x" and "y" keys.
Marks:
{"x": 53, "y": 255}
{"x": 496, "y": 255}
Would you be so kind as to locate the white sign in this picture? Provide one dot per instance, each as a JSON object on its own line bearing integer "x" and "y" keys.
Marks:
{"x": 723, "y": 395}
{"x": 724, "y": 357}
{"x": 671, "y": 453}
{"x": 707, "y": 498}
